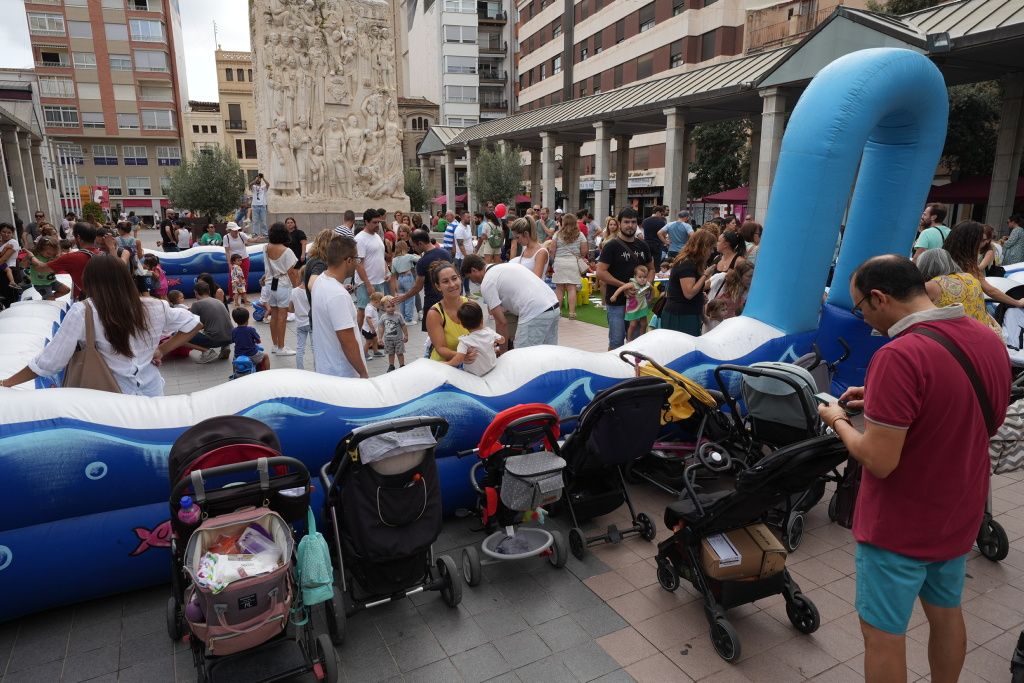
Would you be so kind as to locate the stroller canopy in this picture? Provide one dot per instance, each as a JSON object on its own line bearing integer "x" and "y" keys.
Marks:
{"x": 772, "y": 396}
{"x": 216, "y": 433}
{"x": 684, "y": 392}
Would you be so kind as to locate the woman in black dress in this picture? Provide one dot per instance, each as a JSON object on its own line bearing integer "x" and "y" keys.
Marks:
{"x": 684, "y": 308}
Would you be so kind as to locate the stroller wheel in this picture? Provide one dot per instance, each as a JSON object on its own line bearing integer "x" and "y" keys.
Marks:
{"x": 472, "y": 571}
{"x": 647, "y": 528}
{"x": 803, "y": 614}
{"x": 451, "y": 591}
{"x": 668, "y": 577}
{"x": 794, "y": 531}
{"x": 577, "y": 544}
{"x": 559, "y": 553}
{"x": 174, "y": 626}
{"x": 725, "y": 640}
{"x": 833, "y": 508}
{"x": 327, "y": 657}
{"x": 992, "y": 540}
{"x": 336, "y": 616}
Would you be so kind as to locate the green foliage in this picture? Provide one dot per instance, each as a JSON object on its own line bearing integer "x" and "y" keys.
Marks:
{"x": 416, "y": 190}
{"x": 93, "y": 213}
{"x": 722, "y": 161}
{"x": 974, "y": 112}
{"x": 497, "y": 175}
{"x": 901, "y": 6}
{"x": 210, "y": 184}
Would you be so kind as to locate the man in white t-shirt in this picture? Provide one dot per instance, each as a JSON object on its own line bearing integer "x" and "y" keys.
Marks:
{"x": 336, "y": 347}
{"x": 463, "y": 243}
{"x": 514, "y": 288}
{"x": 259, "y": 189}
{"x": 370, "y": 264}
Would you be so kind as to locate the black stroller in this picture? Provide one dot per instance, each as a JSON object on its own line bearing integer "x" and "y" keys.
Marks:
{"x": 240, "y": 448}
{"x": 618, "y": 426}
{"x": 770, "y": 483}
{"x": 383, "y": 509}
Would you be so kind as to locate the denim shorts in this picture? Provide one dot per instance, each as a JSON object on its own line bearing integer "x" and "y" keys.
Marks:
{"x": 888, "y": 584}
{"x": 282, "y": 296}
{"x": 363, "y": 297}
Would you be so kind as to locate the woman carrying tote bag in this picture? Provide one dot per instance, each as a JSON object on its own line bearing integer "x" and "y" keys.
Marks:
{"x": 127, "y": 331}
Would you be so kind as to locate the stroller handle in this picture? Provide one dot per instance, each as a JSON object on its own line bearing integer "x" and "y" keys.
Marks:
{"x": 254, "y": 465}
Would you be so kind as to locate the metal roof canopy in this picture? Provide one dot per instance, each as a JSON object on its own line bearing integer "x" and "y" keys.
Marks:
{"x": 437, "y": 139}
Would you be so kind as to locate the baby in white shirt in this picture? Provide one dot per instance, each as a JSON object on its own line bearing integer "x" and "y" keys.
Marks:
{"x": 480, "y": 338}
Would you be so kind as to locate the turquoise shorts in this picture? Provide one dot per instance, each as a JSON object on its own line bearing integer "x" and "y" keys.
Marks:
{"x": 888, "y": 584}
{"x": 363, "y": 296}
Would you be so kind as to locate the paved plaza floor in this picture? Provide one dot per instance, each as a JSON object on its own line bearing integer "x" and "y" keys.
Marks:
{"x": 602, "y": 619}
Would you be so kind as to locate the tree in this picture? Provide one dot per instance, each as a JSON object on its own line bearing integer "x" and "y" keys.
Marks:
{"x": 722, "y": 161}
{"x": 901, "y": 6}
{"x": 973, "y": 128}
{"x": 497, "y": 174}
{"x": 211, "y": 183}
{"x": 416, "y": 190}
{"x": 93, "y": 213}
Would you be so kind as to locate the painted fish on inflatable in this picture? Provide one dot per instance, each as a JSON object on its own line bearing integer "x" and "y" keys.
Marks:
{"x": 86, "y": 511}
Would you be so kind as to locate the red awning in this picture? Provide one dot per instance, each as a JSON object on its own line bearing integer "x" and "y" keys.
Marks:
{"x": 523, "y": 199}
{"x": 969, "y": 190}
{"x": 137, "y": 203}
{"x": 737, "y": 195}
{"x": 440, "y": 199}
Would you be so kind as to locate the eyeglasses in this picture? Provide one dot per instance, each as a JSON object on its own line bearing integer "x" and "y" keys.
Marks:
{"x": 857, "y": 313}
{"x": 357, "y": 259}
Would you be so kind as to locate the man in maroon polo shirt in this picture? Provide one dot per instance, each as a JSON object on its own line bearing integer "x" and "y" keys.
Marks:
{"x": 924, "y": 450}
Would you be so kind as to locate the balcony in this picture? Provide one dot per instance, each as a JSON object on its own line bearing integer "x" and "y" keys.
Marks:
{"x": 803, "y": 20}
{"x": 51, "y": 64}
{"x": 144, "y": 5}
{"x": 493, "y": 76}
{"x": 235, "y": 124}
{"x": 499, "y": 17}
{"x": 493, "y": 48}
{"x": 494, "y": 105}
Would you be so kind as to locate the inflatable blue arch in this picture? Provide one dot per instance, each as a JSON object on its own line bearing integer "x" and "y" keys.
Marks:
{"x": 86, "y": 510}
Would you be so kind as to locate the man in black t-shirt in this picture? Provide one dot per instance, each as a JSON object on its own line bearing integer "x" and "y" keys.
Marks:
{"x": 297, "y": 240}
{"x": 651, "y": 225}
{"x": 167, "y": 238}
{"x": 429, "y": 253}
{"x": 619, "y": 258}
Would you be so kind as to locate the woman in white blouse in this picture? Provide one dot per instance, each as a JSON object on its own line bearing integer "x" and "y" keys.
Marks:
{"x": 128, "y": 331}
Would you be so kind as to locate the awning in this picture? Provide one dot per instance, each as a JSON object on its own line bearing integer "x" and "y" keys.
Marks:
{"x": 137, "y": 203}
{"x": 969, "y": 190}
{"x": 523, "y": 199}
{"x": 737, "y": 195}
{"x": 442, "y": 199}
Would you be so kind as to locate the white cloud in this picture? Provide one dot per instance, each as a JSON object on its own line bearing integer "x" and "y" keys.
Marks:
{"x": 16, "y": 52}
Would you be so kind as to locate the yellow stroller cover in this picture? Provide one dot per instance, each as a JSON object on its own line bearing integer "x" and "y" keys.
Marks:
{"x": 684, "y": 390}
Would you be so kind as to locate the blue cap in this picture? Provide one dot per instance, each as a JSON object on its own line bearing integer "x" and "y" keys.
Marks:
{"x": 186, "y": 502}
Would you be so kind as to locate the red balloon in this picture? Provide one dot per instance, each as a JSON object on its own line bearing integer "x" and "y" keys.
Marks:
{"x": 500, "y": 210}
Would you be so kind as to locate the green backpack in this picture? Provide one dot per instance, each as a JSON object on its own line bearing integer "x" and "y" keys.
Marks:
{"x": 495, "y": 237}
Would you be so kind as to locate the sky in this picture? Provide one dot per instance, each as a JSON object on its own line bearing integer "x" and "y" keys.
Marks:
{"x": 197, "y": 17}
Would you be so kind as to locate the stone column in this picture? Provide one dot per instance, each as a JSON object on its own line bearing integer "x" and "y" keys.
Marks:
{"x": 621, "y": 171}
{"x": 547, "y": 157}
{"x": 753, "y": 201}
{"x": 1009, "y": 149}
{"x": 449, "y": 179}
{"x": 6, "y": 207}
{"x": 571, "y": 176}
{"x": 15, "y": 167}
{"x": 42, "y": 188}
{"x": 32, "y": 198}
{"x": 425, "y": 174}
{"x": 535, "y": 176}
{"x": 602, "y": 169}
{"x": 773, "y": 123}
{"x": 471, "y": 199}
{"x": 677, "y": 169}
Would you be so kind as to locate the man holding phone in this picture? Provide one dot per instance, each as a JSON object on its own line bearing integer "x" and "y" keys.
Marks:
{"x": 924, "y": 452}
{"x": 259, "y": 189}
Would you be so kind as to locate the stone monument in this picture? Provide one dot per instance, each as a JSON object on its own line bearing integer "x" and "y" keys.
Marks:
{"x": 330, "y": 138}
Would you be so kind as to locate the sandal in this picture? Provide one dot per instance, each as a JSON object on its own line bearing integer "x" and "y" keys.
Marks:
{"x": 572, "y": 316}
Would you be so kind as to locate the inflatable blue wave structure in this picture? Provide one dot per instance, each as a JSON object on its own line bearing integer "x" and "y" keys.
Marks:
{"x": 86, "y": 513}
{"x": 182, "y": 267}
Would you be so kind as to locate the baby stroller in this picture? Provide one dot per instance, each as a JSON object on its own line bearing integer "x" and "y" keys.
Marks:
{"x": 758, "y": 489}
{"x": 691, "y": 416}
{"x": 239, "y": 629}
{"x": 619, "y": 425}
{"x": 522, "y": 472}
{"x": 383, "y": 507}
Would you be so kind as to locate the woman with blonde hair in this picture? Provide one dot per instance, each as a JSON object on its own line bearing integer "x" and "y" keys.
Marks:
{"x": 568, "y": 247}
{"x": 611, "y": 229}
{"x": 530, "y": 252}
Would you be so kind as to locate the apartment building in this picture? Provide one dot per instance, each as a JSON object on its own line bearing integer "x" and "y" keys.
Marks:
{"x": 112, "y": 89}
{"x": 238, "y": 108}
{"x": 203, "y": 128}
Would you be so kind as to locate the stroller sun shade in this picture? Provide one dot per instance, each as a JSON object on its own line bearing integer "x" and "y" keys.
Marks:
{"x": 772, "y": 399}
{"x": 391, "y": 444}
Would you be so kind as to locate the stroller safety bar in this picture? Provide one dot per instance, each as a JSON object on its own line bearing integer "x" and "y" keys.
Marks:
{"x": 262, "y": 465}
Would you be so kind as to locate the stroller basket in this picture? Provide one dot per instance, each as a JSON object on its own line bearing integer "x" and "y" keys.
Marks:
{"x": 532, "y": 480}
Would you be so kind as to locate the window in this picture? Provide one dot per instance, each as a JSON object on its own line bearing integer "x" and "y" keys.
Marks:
{"x": 709, "y": 2}
{"x": 113, "y": 4}
{"x": 595, "y": 84}
{"x": 556, "y": 28}
{"x": 115, "y": 31}
{"x": 147, "y": 29}
{"x": 89, "y": 91}
{"x": 104, "y": 155}
{"x": 678, "y": 7}
{"x": 93, "y": 119}
{"x": 195, "y": 129}
{"x": 556, "y": 65}
{"x": 157, "y": 119}
{"x": 143, "y": 6}
{"x": 676, "y": 54}
{"x": 54, "y": 86}
{"x": 460, "y": 93}
{"x": 240, "y": 74}
{"x": 135, "y": 155}
{"x": 598, "y": 43}
{"x": 128, "y": 121}
{"x": 84, "y": 60}
{"x": 459, "y": 65}
{"x": 124, "y": 92}
{"x": 73, "y": 3}
{"x": 641, "y": 157}
{"x": 620, "y": 31}
{"x": 165, "y": 182}
{"x": 235, "y": 121}
{"x": 60, "y": 117}
{"x": 139, "y": 186}
{"x": 250, "y": 75}
{"x": 460, "y": 121}
{"x": 460, "y": 34}
{"x": 583, "y": 89}
{"x": 543, "y": 71}
{"x": 52, "y": 58}
{"x": 583, "y": 53}
{"x": 238, "y": 148}
{"x": 647, "y": 18}
{"x": 644, "y": 66}
{"x": 168, "y": 155}
{"x": 213, "y": 129}
{"x": 41, "y": 24}
{"x": 156, "y": 93}
{"x": 250, "y": 148}
{"x": 707, "y": 46}
{"x": 617, "y": 76}
{"x": 112, "y": 183}
{"x": 468, "y": 6}
{"x": 120, "y": 62}
{"x": 80, "y": 29}
{"x": 229, "y": 74}
{"x": 150, "y": 60}
{"x": 206, "y": 129}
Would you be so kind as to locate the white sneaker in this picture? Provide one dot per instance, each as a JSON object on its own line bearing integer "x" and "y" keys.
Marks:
{"x": 285, "y": 351}
{"x": 209, "y": 355}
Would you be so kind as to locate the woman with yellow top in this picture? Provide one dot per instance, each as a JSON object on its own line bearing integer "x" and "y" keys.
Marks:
{"x": 947, "y": 285}
{"x": 443, "y": 325}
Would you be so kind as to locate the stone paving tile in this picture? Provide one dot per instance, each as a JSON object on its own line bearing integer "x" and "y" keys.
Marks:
{"x": 481, "y": 663}
{"x": 627, "y": 646}
{"x": 520, "y": 649}
{"x": 83, "y": 666}
{"x": 657, "y": 669}
{"x": 562, "y": 633}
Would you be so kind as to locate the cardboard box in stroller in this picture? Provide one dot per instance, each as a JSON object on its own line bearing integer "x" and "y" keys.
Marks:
{"x": 747, "y": 553}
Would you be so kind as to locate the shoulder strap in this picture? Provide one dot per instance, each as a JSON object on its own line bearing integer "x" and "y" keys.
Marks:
{"x": 90, "y": 330}
{"x": 440, "y": 309}
{"x": 972, "y": 375}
